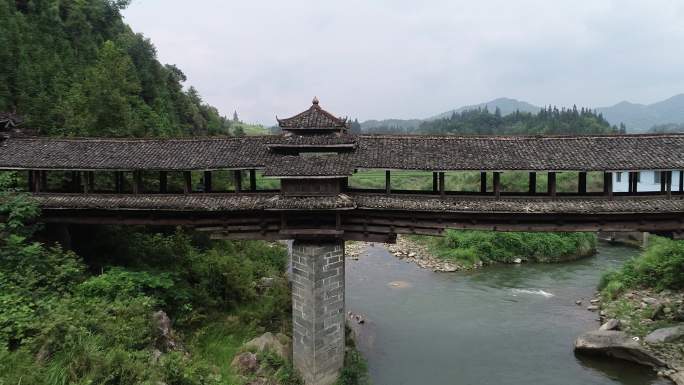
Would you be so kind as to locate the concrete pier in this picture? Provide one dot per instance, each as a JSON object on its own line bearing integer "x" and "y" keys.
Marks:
{"x": 318, "y": 309}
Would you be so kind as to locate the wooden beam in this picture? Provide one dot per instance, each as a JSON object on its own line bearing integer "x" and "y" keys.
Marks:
{"x": 483, "y": 183}
{"x": 163, "y": 182}
{"x": 442, "y": 184}
{"x": 551, "y": 184}
{"x": 252, "y": 180}
{"x": 608, "y": 184}
{"x": 497, "y": 185}
{"x": 237, "y": 178}
{"x": 388, "y": 182}
{"x": 532, "y": 186}
{"x": 187, "y": 182}
{"x": 582, "y": 183}
{"x": 207, "y": 181}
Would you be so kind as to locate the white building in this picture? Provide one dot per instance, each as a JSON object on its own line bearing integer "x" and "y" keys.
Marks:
{"x": 646, "y": 181}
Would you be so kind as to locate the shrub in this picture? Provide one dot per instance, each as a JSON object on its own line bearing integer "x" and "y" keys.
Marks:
{"x": 660, "y": 266}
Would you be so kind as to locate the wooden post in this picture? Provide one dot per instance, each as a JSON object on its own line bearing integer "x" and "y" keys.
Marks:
{"x": 497, "y": 185}
{"x": 187, "y": 182}
{"x": 663, "y": 181}
{"x": 552, "y": 184}
{"x": 532, "y": 188}
{"x": 681, "y": 181}
{"x": 76, "y": 181}
{"x": 668, "y": 184}
{"x": 43, "y": 180}
{"x": 117, "y": 182}
{"x": 89, "y": 182}
{"x": 207, "y": 181}
{"x": 633, "y": 182}
{"x": 608, "y": 184}
{"x": 31, "y": 183}
{"x": 252, "y": 180}
{"x": 435, "y": 183}
{"x": 483, "y": 183}
{"x": 442, "y": 184}
{"x": 137, "y": 182}
{"x": 388, "y": 182}
{"x": 582, "y": 184}
{"x": 163, "y": 182}
{"x": 237, "y": 176}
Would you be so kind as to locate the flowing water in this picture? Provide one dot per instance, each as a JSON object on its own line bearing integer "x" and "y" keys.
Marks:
{"x": 502, "y": 325}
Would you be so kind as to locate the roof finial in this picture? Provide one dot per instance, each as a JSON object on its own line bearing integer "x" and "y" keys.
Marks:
{"x": 315, "y": 100}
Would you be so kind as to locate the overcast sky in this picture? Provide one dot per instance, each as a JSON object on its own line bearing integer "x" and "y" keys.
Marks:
{"x": 376, "y": 59}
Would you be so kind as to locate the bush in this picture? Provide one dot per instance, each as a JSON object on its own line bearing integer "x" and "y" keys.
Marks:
{"x": 660, "y": 266}
{"x": 492, "y": 246}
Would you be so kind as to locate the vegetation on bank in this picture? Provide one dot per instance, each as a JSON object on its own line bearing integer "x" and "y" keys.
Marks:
{"x": 647, "y": 293}
{"x": 471, "y": 247}
{"x": 80, "y": 320}
{"x": 659, "y": 267}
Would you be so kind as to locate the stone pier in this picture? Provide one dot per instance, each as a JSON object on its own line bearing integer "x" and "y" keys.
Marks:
{"x": 318, "y": 309}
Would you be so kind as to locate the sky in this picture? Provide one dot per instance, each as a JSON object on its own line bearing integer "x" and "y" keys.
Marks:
{"x": 378, "y": 59}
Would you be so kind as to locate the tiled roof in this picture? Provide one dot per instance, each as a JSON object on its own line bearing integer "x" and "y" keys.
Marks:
{"x": 134, "y": 154}
{"x": 303, "y": 141}
{"x": 248, "y": 202}
{"x": 192, "y": 202}
{"x": 577, "y": 153}
{"x": 429, "y": 153}
{"x": 315, "y": 165}
{"x": 522, "y": 206}
{"x": 313, "y": 118}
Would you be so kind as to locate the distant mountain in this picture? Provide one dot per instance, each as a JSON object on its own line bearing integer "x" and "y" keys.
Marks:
{"x": 506, "y": 105}
{"x": 637, "y": 117}
{"x": 641, "y": 117}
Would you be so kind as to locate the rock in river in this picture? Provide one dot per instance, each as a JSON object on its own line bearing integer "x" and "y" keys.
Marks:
{"x": 663, "y": 335}
{"x": 615, "y": 344}
{"x": 611, "y": 324}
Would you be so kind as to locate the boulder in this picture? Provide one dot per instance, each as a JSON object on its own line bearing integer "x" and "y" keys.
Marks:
{"x": 518, "y": 261}
{"x": 611, "y": 324}
{"x": 664, "y": 335}
{"x": 677, "y": 378}
{"x": 245, "y": 363}
{"x": 593, "y": 308}
{"x": 279, "y": 344}
{"x": 166, "y": 338}
{"x": 615, "y": 344}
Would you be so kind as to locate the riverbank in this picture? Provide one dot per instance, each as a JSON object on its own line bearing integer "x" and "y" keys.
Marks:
{"x": 470, "y": 250}
{"x": 641, "y": 308}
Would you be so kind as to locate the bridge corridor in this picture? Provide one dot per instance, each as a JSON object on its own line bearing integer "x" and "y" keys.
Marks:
{"x": 297, "y": 185}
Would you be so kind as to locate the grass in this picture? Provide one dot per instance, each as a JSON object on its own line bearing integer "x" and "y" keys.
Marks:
{"x": 219, "y": 341}
{"x": 470, "y": 247}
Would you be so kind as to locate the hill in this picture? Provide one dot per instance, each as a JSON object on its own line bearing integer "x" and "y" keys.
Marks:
{"x": 75, "y": 68}
{"x": 641, "y": 117}
{"x": 505, "y": 105}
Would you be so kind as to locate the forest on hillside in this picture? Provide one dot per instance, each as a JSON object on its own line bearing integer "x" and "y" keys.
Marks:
{"x": 74, "y": 68}
{"x": 549, "y": 120}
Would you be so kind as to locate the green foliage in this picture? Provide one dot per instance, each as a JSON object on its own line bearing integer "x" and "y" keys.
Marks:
{"x": 75, "y": 68}
{"x": 549, "y": 120}
{"x": 355, "y": 370}
{"x": 491, "y": 246}
{"x": 660, "y": 266}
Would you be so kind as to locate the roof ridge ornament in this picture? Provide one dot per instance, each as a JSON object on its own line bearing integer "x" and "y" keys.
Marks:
{"x": 315, "y": 101}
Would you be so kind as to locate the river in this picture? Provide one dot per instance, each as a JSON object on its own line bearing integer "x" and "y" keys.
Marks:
{"x": 502, "y": 325}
